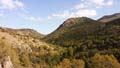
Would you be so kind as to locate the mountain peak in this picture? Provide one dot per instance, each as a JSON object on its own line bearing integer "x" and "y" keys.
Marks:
{"x": 73, "y": 21}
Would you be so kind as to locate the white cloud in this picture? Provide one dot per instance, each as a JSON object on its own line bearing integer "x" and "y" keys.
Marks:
{"x": 83, "y": 9}
{"x": 98, "y": 2}
{"x": 101, "y": 2}
{"x": 80, "y": 6}
{"x": 11, "y": 4}
{"x": 85, "y": 12}
{"x": 95, "y": 3}
{"x": 62, "y": 15}
{"x": 8, "y": 5}
{"x": 79, "y": 10}
{"x": 78, "y": 13}
{"x": 34, "y": 18}
{"x": 110, "y": 3}
{"x": 19, "y": 3}
{"x": 31, "y": 18}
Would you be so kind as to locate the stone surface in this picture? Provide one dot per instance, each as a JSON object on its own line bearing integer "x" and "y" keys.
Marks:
{"x": 6, "y": 63}
{"x": 0, "y": 65}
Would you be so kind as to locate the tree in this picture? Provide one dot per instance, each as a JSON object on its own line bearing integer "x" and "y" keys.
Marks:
{"x": 103, "y": 61}
{"x": 78, "y": 64}
{"x": 74, "y": 63}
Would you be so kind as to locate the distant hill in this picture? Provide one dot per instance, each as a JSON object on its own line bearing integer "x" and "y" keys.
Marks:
{"x": 23, "y": 46}
{"x": 23, "y": 32}
{"x": 108, "y": 18}
{"x": 114, "y": 22}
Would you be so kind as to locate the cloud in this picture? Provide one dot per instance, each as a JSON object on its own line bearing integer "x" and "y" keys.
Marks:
{"x": 78, "y": 13}
{"x": 31, "y": 18}
{"x": 64, "y": 14}
{"x": 85, "y": 12}
{"x": 11, "y": 4}
{"x": 110, "y": 3}
{"x": 101, "y": 2}
{"x": 79, "y": 10}
{"x": 96, "y": 3}
{"x": 18, "y": 7}
{"x": 80, "y": 6}
{"x": 83, "y": 9}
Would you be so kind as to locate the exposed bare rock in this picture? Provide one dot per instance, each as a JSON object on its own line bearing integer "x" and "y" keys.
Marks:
{"x": 6, "y": 63}
{"x": 0, "y": 65}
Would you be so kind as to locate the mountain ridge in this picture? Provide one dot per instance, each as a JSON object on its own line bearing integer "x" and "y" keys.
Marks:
{"x": 77, "y": 25}
{"x": 77, "y": 43}
{"x": 108, "y": 18}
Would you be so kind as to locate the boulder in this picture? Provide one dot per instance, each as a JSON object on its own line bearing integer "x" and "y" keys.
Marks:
{"x": 6, "y": 63}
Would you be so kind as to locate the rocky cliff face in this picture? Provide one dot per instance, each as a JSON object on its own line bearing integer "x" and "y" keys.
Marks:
{"x": 6, "y": 63}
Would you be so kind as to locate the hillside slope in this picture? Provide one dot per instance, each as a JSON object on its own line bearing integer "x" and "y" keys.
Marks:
{"x": 78, "y": 43}
{"x": 24, "y": 47}
{"x": 86, "y": 37}
{"x": 72, "y": 30}
{"x": 108, "y": 18}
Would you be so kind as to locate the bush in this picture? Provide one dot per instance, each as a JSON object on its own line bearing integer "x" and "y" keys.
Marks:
{"x": 103, "y": 61}
{"x": 8, "y": 50}
{"x": 75, "y": 63}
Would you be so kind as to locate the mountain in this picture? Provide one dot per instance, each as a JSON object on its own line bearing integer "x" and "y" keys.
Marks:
{"x": 84, "y": 37}
{"x": 70, "y": 32}
{"x": 77, "y": 43}
{"x": 108, "y": 18}
{"x": 114, "y": 22}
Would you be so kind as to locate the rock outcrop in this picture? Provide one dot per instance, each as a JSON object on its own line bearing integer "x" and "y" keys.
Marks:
{"x": 6, "y": 63}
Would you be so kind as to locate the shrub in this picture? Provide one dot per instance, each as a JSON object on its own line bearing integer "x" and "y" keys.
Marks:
{"x": 103, "y": 61}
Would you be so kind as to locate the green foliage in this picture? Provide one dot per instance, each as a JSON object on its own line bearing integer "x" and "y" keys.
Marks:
{"x": 67, "y": 63}
{"x": 103, "y": 61}
{"x": 24, "y": 59}
{"x": 77, "y": 43}
{"x": 82, "y": 38}
{"x": 72, "y": 35}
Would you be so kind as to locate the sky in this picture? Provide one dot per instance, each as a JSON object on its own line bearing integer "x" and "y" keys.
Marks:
{"x": 47, "y": 15}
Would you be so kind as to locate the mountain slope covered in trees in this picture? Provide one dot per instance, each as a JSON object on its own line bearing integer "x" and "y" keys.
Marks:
{"x": 78, "y": 43}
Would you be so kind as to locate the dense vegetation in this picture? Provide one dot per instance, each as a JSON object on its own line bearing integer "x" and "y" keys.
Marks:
{"x": 88, "y": 37}
{"x": 77, "y": 43}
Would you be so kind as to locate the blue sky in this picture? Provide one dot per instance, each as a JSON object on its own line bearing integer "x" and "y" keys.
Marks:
{"x": 46, "y": 15}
